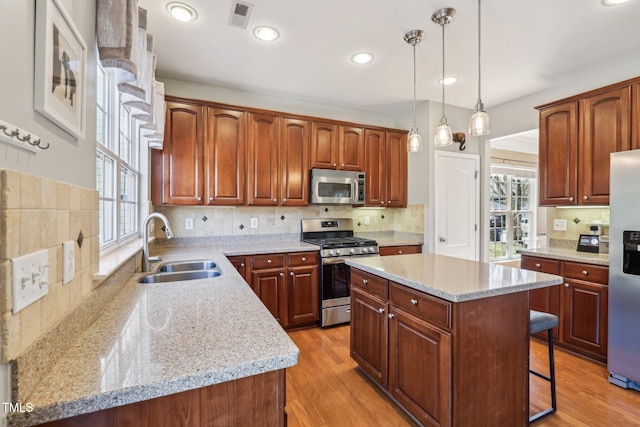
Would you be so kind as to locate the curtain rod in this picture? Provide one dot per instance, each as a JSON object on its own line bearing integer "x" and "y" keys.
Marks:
{"x": 513, "y": 160}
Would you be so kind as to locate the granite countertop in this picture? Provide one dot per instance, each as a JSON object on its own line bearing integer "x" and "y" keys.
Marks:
{"x": 399, "y": 241}
{"x": 563, "y": 254}
{"x": 157, "y": 339}
{"x": 453, "y": 279}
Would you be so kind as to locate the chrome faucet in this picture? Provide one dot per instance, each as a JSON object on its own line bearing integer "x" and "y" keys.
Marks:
{"x": 146, "y": 259}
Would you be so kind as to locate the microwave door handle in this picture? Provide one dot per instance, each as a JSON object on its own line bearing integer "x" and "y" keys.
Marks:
{"x": 354, "y": 191}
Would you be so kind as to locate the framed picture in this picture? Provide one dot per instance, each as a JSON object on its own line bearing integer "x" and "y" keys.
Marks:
{"x": 60, "y": 68}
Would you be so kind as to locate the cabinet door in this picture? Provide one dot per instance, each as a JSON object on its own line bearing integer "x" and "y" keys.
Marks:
{"x": 225, "y": 157}
{"x": 558, "y": 154}
{"x": 183, "y": 155}
{"x": 263, "y": 159}
{"x": 420, "y": 368}
{"x": 606, "y": 129}
{"x": 375, "y": 168}
{"x": 241, "y": 264}
{"x": 324, "y": 145}
{"x": 369, "y": 337}
{"x": 294, "y": 163}
{"x": 396, "y": 163}
{"x": 351, "y": 148}
{"x": 545, "y": 299}
{"x": 635, "y": 116}
{"x": 303, "y": 295}
{"x": 585, "y": 313}
{"x": 270, "y": 286}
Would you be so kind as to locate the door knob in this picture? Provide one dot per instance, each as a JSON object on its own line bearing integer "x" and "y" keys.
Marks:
{"x": 291, "y": 273}
{"x": 585, "y": 197}
{"x": 381, "y": 310}
{"x": 566, "y": 285}
{"x": 391, "y": 316}
{"x": 442, "y": 239}
{"x": 571, "y": 199}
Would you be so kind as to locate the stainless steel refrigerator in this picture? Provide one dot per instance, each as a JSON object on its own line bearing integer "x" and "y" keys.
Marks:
{"x": 624, "y": 270}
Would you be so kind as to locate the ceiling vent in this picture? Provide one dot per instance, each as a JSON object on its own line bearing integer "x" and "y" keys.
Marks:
{"x": 240, "y": 14}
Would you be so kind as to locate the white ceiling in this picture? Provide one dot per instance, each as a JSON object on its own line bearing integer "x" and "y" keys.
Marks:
{"x": 527, "y": 46}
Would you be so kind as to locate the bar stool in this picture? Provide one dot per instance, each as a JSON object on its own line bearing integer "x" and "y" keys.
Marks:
{"x": 538, "y": 322}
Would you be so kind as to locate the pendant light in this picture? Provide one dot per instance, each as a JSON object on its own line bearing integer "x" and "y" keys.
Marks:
{"x": 443, "y": 135}
{"x": 479, "y": 122}
{"x": 414, "y": 142}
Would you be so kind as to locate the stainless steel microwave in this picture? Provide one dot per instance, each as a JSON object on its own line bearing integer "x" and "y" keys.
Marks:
{"x": 339, "y": 187}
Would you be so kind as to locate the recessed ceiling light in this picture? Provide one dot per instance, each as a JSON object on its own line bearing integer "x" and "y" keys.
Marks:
{"x": 613, "y": 2}
{"x": 266, "y": 34}
{"x": 362, "y": 58}
{"x": 448, "y": 81}
{"x": 182, "y": 12}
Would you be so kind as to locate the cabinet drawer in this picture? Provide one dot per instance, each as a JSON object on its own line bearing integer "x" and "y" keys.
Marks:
{"x": 429, "y": 308}
{"x": 370, "y": 283}
{"x": 543, "y": 265}
{"x": 267, "y": 261}
{"x": 586, "y": 272}
{"x": 400, "y": 250}
{"x": 303, "y": 258}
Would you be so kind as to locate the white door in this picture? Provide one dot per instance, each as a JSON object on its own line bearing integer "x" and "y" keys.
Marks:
{"x": 457, "y": 193}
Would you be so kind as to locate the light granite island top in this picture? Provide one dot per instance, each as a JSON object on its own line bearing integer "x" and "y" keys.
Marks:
{"x": 154, "y": 340}
{"x": 453, "y": 279}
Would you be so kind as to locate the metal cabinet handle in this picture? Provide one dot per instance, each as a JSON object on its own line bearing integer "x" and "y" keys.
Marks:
{"x": 199, "y": 198}
{"x": 275, "y": 200}
{"x": 342, "y": 165}
{"x": 585, "y": 272}
{"x": 414, "y": 301}
{"x": 284, "y": 200}
{"x": 291, "y": 273}
{"x": 538, "y": 265}
{"x": 365, "y": 281}
{"x": 571, "y": 199}
{"x": 388, "y": 202}
{"x": 566, "y": 285}
{"x": 390, "y": 316}
{"x": 281, "y": 274}
{"x": 334, "y": 165}
{"x": 210, "y": 198}
{"x": 400, "y": 252}
{"x": 381, "y": 310}
{"x": 585, "y": 197}
{"x": 242, "y": 264}
{"x": 303, "y": 259}
{"x": 382, "y": 202}
{"x": 268, "y": 261}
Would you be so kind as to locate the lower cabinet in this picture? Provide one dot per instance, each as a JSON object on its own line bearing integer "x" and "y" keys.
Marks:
{"x": 400, "y": 250}
{"x": 581, "y": 304}
{"x": 287, "y": 284}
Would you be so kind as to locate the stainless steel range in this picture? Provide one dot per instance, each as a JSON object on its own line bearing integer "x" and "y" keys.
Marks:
{"x": 336, "y": 241}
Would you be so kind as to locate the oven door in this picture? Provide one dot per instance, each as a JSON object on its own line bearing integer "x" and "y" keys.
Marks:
{"x": 335, "y": 279}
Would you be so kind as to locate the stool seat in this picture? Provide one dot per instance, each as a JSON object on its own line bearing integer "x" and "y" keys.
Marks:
{"x": 539, "y": 321}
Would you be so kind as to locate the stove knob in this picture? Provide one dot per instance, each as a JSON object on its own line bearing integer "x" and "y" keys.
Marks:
{"x": 352, "y": 251}
{"x": 365, "y": 250}
{"x": 332, "y": 252}
{"x": 338, "y": 251}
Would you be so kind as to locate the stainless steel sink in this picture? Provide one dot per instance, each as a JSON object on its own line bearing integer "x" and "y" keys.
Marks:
{"x": 179, "y": 276}
{"x": 177, "y": 266}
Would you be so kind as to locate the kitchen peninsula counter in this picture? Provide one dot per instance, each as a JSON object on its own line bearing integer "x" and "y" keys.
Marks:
{"x": 445, "y": 338}
{"x": 564, "y": 254}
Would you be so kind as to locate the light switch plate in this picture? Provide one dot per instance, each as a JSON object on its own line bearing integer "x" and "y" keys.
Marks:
{"x": 560, "y": 225}
{"x": 68, "y": 261}
{"x": 29, "y": 279}
{"x": 188, "y": 223}
{"x": 366, "y": 220}
{"x": 254, "y": 222}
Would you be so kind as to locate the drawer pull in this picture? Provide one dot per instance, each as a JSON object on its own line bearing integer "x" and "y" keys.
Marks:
{"x": 566, "y": 285}
{"x": 281, "y": 274}
{"x": 571, "y": 199}
{"x": 400, "y": 252}
{"x": 365, "y": 281}
{"x": 291, "y": 273}
{"x": 268, "y": 261}
{"x": 538, "y": 265}
{"x": 303, "y": 259}
{"x": 585, "y": 197}
{"x": 390, "y": 316}
{"x": 414, "y": 301}
{"x": 381, "y": 310}
{"x": 242, "y": 264}
{"x": 585, "y": 273}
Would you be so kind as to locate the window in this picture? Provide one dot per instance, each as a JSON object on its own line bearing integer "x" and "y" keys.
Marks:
{"x": 117, "y": 165}
{"x": 512, "y": 202}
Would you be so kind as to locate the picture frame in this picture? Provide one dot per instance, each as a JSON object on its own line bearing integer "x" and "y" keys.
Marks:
{"x": 60, "y": 68}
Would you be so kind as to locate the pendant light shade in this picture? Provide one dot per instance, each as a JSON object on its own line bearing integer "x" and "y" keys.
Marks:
{"x": 414, "y": 142}
{"x": 443, "y": 135}
{"x": 479, "y": 123}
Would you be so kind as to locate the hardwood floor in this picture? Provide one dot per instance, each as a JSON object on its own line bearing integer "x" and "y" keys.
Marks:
{"x": 326, "y": 389}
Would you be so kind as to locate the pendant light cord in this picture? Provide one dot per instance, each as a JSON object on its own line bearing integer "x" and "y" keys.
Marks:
{"x": 479, "y": 44}
{"x": 443, "y": 115}
{"x": 414, "y": 83}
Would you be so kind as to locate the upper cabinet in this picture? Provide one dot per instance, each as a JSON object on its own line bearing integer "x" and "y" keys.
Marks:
{"x": 386, "y": 168}
{"x": 221, "y": 155}
{"x": 576, "y": 138}
{"x": 335, "y": 146}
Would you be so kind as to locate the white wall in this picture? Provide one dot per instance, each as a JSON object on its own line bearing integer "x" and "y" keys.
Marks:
{"x": 68, "y": 160}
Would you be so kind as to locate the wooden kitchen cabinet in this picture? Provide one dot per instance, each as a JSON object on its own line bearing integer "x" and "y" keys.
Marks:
{"x": 351, "y": 148}
{"x": 581, "y": 304}
{"x": 400, "y": 250}
{"x": 264, "y": 138}
{"x": 577, "y": 136}
{"x": 183, "y": 155}
{"x": 337, "y": 146}
{"x": 242, "y": 263}
{"x": 303, "y": 306}
{"x": 225, "y": 157}
{"x": 269, "y": 283}
{"x": 386, "y": 168}
{"x": 294, "y": 162}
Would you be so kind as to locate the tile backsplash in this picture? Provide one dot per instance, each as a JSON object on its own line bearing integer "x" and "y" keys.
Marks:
{"x": 578, "y": 220}
{"x": 236, "y": 221}
{"x": 38, "y": 213}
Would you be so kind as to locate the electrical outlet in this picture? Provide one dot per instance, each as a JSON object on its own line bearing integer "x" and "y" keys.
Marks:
{"x": 68, "y": 261}
{"x": 560, "y": 225}
{"x": 188, "y": 223}
{"x": 254, "y": 222}
{"x": 29, "y": 279}
{"x": 366, "y": 220}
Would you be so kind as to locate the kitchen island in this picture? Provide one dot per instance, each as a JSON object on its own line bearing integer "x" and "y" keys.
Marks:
{"x": 446, "y": 338}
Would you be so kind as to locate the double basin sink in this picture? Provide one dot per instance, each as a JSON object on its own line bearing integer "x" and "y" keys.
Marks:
{"x": 182, "y": 270}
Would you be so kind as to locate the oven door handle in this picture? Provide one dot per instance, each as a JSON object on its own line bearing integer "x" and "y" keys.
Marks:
{"x": 336, "y": 260}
